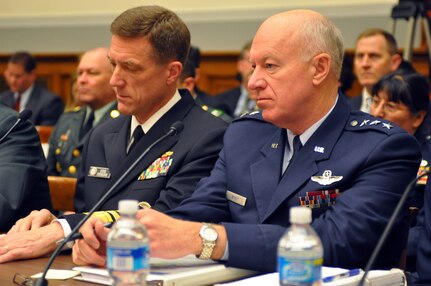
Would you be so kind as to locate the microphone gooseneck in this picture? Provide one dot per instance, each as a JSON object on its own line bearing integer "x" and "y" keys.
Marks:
{"x": 389, "y": 226}
{"x": 23, "y": 116}
{"x": 176, "y": 128}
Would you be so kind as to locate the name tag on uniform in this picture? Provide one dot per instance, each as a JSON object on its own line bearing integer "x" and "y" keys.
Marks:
{"x": 235, "y": 198}
{"x": 99, "y": 172}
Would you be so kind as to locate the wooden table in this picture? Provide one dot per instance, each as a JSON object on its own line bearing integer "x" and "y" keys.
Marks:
{"x": 33, "y": 266}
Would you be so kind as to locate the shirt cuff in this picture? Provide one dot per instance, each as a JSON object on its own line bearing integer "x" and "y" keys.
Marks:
{"x": 66, "y": 229}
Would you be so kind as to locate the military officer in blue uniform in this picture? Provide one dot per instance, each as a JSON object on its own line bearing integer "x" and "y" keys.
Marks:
{"x": 149, "y": 46}
{"x": 67, "y": 140}
{"x": 351, "y": 170}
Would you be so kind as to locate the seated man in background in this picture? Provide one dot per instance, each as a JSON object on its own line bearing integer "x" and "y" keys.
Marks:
{"x": 376, "y": 54}
{"x": 67, "y": 140}
{"x": 305, "y": 148}
{"x": 188, "y": 80}
{"x": 20, "y": 76}
{"x": 23, "y": 185}
{"x": 146, "y": 67}
{"x": 237, "y": 101}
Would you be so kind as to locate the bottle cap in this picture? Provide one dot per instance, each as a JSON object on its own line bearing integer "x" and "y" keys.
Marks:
{"x": 300, "y": 215}
{"x": 128, "y": 206}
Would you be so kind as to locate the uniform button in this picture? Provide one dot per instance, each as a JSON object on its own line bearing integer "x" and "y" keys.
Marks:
{"x": 76, "y": 153}
{"x": 114, "y": 113}
{"x": 72, "y": 169}
{"x": 354, "y": 123}
{"x": 57, "y": 151}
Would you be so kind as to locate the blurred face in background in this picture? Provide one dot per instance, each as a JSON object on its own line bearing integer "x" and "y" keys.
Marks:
{"x": 94, "y": 73}
{"x": 373, "y": 60}
{"x": 17, "y": 78}
{"x": 396, "y": 112}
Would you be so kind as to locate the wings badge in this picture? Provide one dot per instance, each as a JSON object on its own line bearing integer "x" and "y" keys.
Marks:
{"x": 326, "y": 178}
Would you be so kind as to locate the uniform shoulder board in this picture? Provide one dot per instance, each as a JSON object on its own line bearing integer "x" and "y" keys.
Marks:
{"x": 254, "y": 115}
{"x": 360, "y": 122}
{"x": 76, "y": 109}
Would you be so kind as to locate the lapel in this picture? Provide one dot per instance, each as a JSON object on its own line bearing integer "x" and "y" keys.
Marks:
{"x": 115, "y": 143}
{"x": 34, "y": 98}
{"x": 75, "y": 128}
{"x": 265, "y": 173}
{"x": 8, "y": 99}
{"x": 305, "y": 164}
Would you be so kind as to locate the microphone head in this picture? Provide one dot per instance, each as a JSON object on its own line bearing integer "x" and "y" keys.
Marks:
{"x": 177, "y": 127}
{"x": 25, "y": 114}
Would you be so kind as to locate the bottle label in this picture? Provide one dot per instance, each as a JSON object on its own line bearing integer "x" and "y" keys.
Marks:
{"x": 127, "y": 259}
{"x": 299, "y": 270}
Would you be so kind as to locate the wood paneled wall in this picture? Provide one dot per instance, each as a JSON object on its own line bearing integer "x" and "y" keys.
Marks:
{"x": 217, "y": 71}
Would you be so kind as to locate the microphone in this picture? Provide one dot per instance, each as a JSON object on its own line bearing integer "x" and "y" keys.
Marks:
{"x": 389, "y": 226}
{"x": 23, "y": 116}
{"x": 175, "y": 129}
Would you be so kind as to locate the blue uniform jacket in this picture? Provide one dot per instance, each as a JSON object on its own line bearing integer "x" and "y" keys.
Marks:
{"x": 368, "y": 160}
{"x": 165, "y": 176}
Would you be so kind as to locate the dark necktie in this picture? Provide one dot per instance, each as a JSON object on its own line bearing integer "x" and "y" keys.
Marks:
{"x": 297, "y": 145}
{"x": 137, "y": 135}
{"x": 18, "y": 102}
{"x": 88, "y": 125}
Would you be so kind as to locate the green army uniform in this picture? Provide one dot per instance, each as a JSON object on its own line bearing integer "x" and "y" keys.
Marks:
{"x": 214, "y": 111}
{"x": 65, "y": 142}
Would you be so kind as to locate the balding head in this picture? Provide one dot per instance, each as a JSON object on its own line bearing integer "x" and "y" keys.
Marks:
{"x": 94, "y": 73}
{"x": 312, "y": 32}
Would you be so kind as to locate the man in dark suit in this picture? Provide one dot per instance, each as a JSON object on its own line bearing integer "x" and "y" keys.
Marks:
{"x": 20, "y": 76}
{"x": 149, "y": 46}
{"x": 23, "y": 185}
{"x": 305, "y": 148}
{"x": 376, "y": 54}
{"x": 67, "y": 140}
{"x": 237, "y": 101}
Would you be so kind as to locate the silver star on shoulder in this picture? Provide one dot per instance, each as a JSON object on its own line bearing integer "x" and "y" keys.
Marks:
{"x": 375, "y": 122}
{"x": 364, "y": 122}
{"x": 387, "y": 125}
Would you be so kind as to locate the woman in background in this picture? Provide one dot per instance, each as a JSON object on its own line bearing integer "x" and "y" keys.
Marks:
{"x": 403, "y": 98}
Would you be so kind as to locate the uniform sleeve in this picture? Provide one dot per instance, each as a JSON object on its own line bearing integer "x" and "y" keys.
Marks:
{"x": 423, "y": 265}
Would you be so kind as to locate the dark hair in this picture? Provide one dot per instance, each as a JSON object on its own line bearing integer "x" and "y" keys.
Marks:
{"x": 25, "y": 60}
{"x": 189, "y": 70}
{"x": 195, "y": 56}
{"x": 409, "y": 88}
{"x": 347, "y": 76}
{"x": 389, "y": 38}
{"x": 167, "y": 33}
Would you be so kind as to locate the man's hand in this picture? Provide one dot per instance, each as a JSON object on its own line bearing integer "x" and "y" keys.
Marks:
{"x": 30, "y": 244}
{"x": 35, "y": 220}
{"x": 92, "y": 249}
{"x": 174, "y": 238}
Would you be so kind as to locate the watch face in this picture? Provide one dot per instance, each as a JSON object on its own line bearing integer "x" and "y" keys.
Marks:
{"x": 209, "y": 234}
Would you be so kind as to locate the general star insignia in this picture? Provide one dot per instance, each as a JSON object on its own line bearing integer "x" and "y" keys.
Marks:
{"x": 375, "y": 122}
{"x": 326, "y": 178}
{"x": 387, "y": 125}
{"x": 364, "y": 122}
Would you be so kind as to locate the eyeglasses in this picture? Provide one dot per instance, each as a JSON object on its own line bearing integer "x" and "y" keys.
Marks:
{"x": 389, "y": 107}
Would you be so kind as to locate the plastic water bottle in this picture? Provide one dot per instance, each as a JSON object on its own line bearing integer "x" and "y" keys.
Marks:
{"x": 300, "y": 252}
{"x": 128, "y": 247}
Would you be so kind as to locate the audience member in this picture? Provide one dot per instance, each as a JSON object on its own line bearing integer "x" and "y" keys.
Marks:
{"x": 347, "y": 76}
{"x": 72, "y": 96}
{"x": 149, "y": 46}
{"x": 236, "y": 101}
{"x": 187, "y": 80}
{"x": 351, "y": 187}
{"x": 20, "y": 76}
{"x": 402, "y": 98}
{"x": 22, "y": 170}
{"x": 376, "y": 54}
{"x": 195, "y": 58}
{"x": 67, "y": 140}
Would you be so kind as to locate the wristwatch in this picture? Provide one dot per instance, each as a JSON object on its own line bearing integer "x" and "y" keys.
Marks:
{"x": 209, "y": 237}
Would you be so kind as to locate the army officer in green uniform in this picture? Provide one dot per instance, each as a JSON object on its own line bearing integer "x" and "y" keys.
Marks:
{"x": 94, "y": 91}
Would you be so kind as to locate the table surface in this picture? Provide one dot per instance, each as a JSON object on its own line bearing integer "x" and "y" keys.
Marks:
{"x": 33, "y": 266}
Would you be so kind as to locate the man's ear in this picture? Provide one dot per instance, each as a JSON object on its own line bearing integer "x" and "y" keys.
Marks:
{"x": 322, "y": 66}
{"x": 174, "y": 71}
